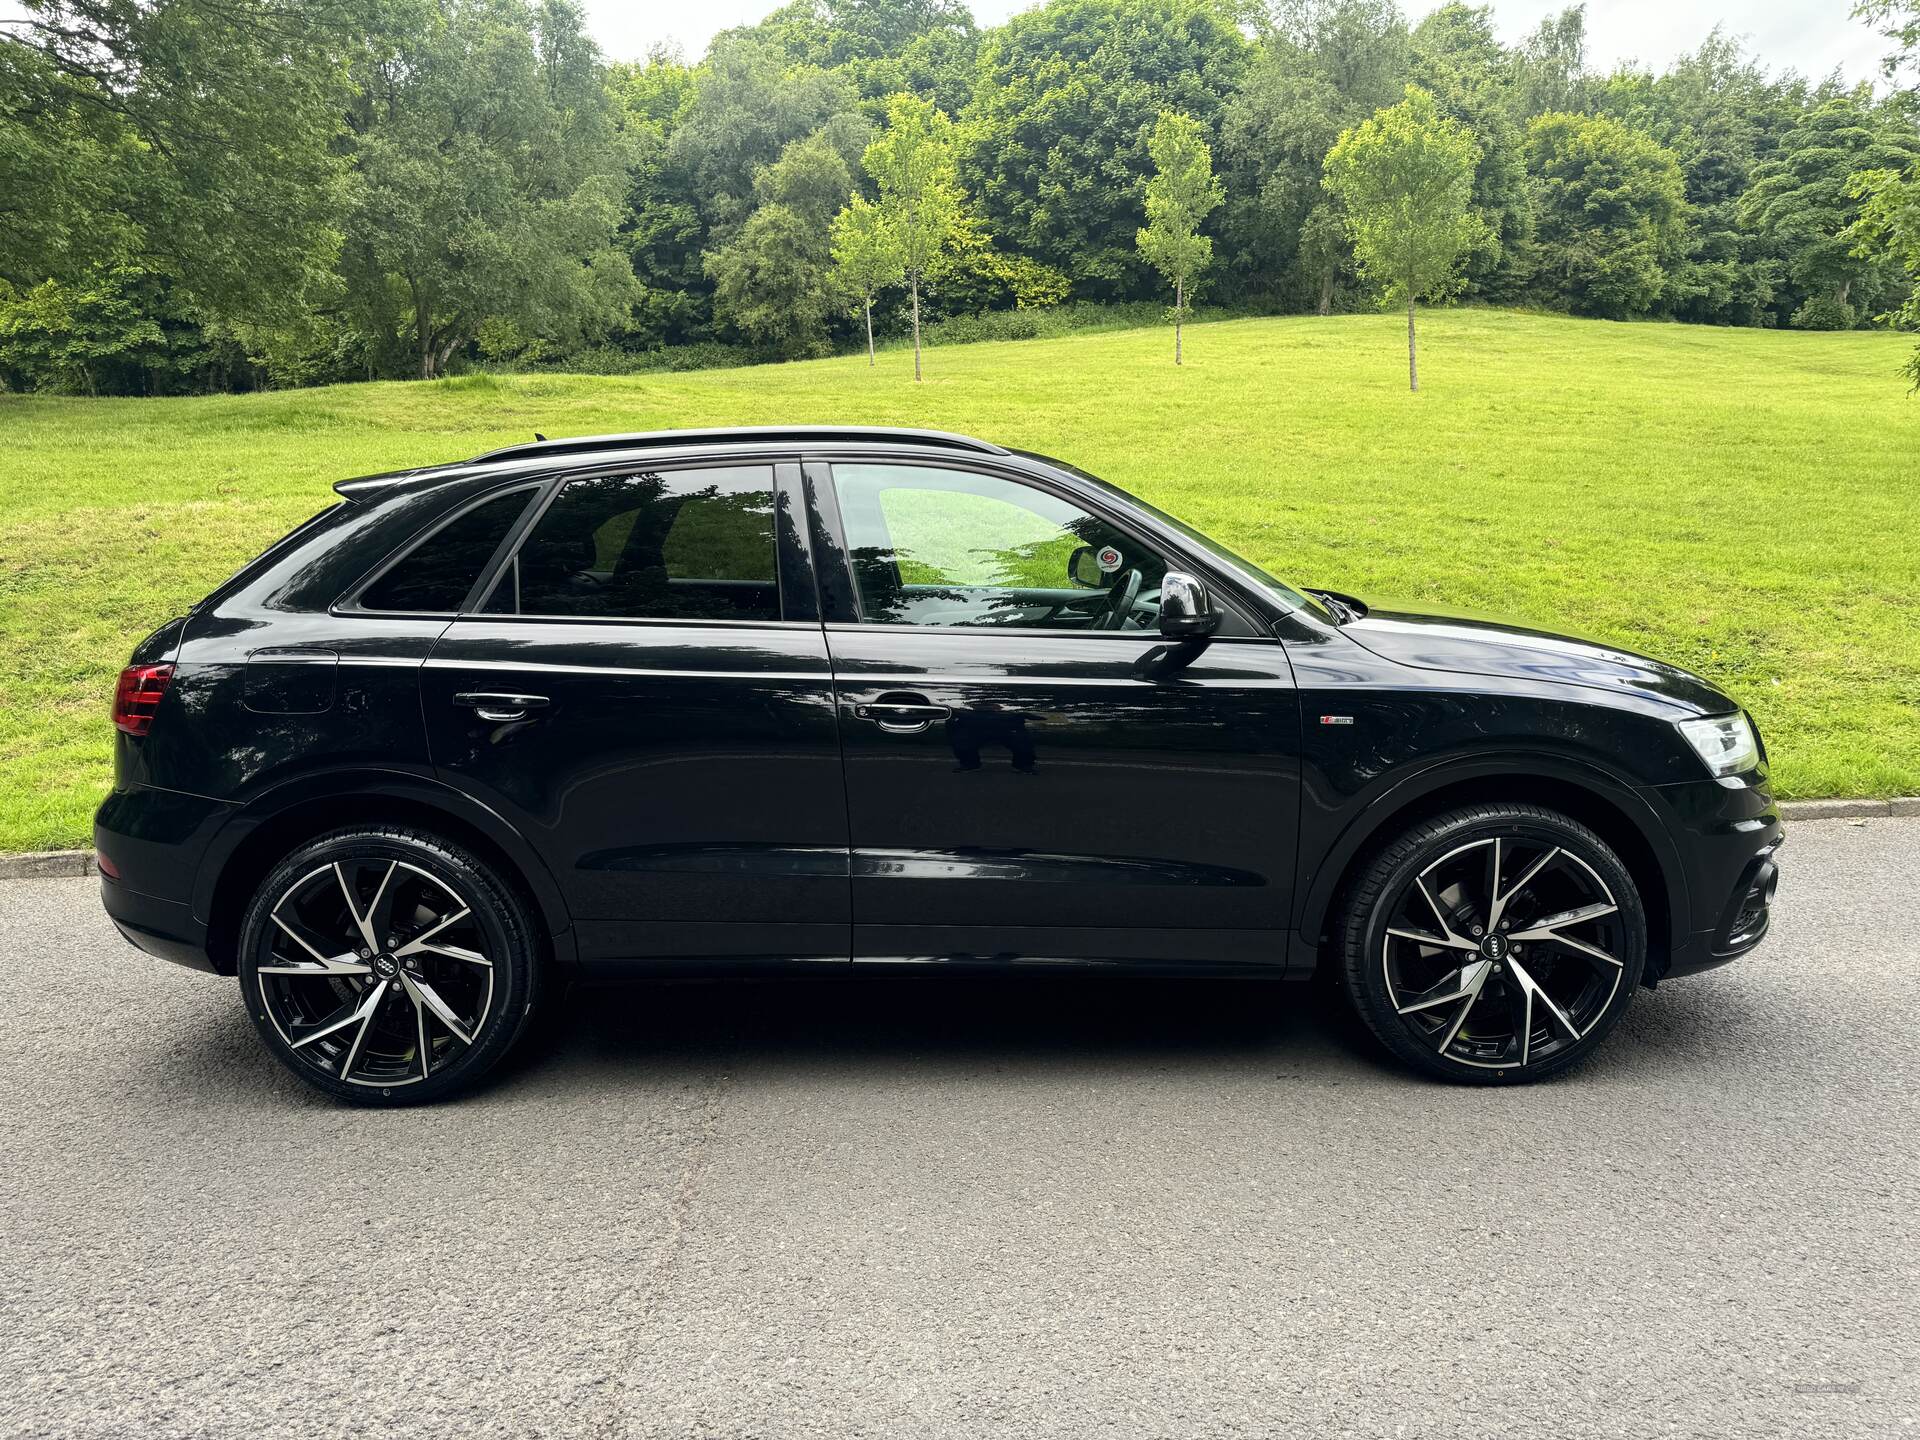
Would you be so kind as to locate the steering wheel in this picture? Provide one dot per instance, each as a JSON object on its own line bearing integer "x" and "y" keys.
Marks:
{"x": 1125, "y": 591}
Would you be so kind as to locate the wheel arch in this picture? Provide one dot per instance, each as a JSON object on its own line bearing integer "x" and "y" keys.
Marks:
{"x": 270, "y": 826}
{"x": 1603, "y": 804}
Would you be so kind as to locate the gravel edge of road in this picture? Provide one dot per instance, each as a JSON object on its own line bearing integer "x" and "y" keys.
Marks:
{"x": 52, "y": 864}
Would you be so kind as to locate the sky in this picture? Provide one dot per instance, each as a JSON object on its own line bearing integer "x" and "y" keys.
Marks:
{"x": 1812, "y": 36}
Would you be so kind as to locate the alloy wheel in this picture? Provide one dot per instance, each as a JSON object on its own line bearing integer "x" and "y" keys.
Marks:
{"x": 1505, "y": 952}
{"x": 377, "y": 972}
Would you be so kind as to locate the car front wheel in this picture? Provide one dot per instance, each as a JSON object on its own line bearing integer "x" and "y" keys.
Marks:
{"x": 1495, "y": 943}
{"x": 387, "y": 966}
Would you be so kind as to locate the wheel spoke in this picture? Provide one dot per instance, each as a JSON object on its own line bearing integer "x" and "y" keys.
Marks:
{"x": 353, "y": 909}
{"x": 420, "y": 1029}
{"x": 362, "y": 1011}
{"x": 1500, "y": 900}
{"x": 1443, "y": 942}
{"x": 1466, "y": 982}
{"x": 1473, "y": 979}
{"x": 375, "y": 994}
{"x": 458, "y": 952}
{"x": 374, "y": 926}
{"x": 423, "y": 993}
{"x": 348, "y": 964}
{"x": 419, "y": 942}
{"x": 1532, "y": 988}
{"x": 1544, "y": 929}
{"x": 1446, "y": 925}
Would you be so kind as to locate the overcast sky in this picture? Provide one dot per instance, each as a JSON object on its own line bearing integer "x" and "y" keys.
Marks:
{"x": 1812, "y": 36}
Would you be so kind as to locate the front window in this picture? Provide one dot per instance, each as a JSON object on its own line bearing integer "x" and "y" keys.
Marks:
{"x": 941, "y": 547}
{"x": 1281, "y": 592}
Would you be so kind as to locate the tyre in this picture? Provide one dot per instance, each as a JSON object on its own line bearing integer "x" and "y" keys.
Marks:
{"x": 387, "y": 966}
{"x": 1493, "y": 944}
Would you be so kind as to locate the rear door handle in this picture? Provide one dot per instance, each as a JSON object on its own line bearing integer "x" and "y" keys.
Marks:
{"x": 902, "y": 714}
{"x": 501, "y": 707}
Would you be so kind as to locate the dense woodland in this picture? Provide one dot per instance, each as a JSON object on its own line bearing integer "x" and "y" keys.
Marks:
{"x": 227, "y": 194}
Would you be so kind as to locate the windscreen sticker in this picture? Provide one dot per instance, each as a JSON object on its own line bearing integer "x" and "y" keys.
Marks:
{"x": 1110, "y": 559}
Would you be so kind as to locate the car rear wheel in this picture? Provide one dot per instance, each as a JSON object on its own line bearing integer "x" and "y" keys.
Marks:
{"x": 1493, "y": 944}
{"x": 387, "y": 966}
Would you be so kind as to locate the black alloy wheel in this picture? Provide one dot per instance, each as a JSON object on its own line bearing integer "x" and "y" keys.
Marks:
{"x": 387, "y": 966}
{"x": 1493, "y": 944}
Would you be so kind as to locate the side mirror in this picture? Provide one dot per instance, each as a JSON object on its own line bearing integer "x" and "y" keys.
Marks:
{"x": 1186, "y": 609}
{"x": 1083, "y": 569}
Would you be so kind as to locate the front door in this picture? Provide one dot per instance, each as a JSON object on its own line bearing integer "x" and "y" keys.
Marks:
{"x": 1030, "y": 773}
{"x": 645, "y": 694}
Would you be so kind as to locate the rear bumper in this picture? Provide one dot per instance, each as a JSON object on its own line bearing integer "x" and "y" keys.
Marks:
{"x": 150, "y": 843}
{"x": 1728, "y": 837}
{"x": 165, "y": 928}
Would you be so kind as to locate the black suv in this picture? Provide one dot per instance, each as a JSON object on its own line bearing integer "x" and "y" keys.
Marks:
{"x": 690, "y": 701}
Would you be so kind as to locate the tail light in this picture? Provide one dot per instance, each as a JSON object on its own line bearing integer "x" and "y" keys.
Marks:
{"x": 137, "y": 696}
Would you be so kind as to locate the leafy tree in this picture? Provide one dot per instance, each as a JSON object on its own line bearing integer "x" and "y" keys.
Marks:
{"x": 662, "y": 230}
{"x": 772, "y": 281}
{"x": 1066, "y": 97}
{"x": 1324, "y": 66}
{"x": 1889, "y": 227}
{"x": 488, "y": 180}
{"x": 1801, "y": 200}
{"x": 1718, "y": 113}
{"x": 1466, "y": 69}
{"x": 1181, "y": 194}
{"x": 1611, "y": 211}
{"x": 972, "y": 274}
{"x": 865, "y": 257}
{"x": 748, "y": 104}
{"x": 912, "y": 165}
{"x": 1550, "y": 70}
{"x": 1405, "y": 179}
{"x": 192, "y": 139}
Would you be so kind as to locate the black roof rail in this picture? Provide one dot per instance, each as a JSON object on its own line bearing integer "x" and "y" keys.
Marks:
{"x": 768, "y": 434}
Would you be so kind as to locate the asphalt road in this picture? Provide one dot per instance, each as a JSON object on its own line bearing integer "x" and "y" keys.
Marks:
{"x": 969, "y": 1208}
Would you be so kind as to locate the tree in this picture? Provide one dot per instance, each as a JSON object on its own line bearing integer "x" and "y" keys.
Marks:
{"x": 911, "y": 163}
{"x": 1611, "y": 212}
{"x": 772, "y": 281}
{"x": 865, "y": 257}
{"x": 1065, "y": 98}
{"x": 1889, "y": 228}
{"x": 1405, "y": 179}
{"x": 487, "y": 183}
{"x": 1800, "y": 199}
{"x": 192, "y": 140}
{"x": 1325, "y": 66}
{"x": 1181, "y": 194}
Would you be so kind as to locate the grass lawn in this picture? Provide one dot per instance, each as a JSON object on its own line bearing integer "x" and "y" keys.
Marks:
{"x": 1744, "y": 503}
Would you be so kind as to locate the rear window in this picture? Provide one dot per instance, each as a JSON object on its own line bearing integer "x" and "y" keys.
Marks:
{"x": 435, "y": 576}
{"x": 673, "y": 545}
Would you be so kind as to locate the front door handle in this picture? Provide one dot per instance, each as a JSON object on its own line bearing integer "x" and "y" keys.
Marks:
{"x": 902, "y": 714}
{"x": 501, "y": 708}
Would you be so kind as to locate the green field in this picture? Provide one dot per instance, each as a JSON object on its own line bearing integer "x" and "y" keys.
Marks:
{"x": 1745, "y": 503}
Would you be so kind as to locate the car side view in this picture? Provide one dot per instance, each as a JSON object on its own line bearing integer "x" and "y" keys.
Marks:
{"x": 699, "y": 702}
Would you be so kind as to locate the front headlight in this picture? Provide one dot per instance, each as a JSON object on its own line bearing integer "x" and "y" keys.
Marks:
{"x": 1725, "y": 742}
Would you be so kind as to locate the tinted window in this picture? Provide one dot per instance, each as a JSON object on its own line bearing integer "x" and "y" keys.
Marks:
{"x": 932, "y": 546}
{"x": 676, "y": 545}
{"x": 436, "y": 576}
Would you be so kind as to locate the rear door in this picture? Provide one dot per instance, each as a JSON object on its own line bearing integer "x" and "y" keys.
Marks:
{"x": 644, "y": 692}
{"x": 1032, "y": 772}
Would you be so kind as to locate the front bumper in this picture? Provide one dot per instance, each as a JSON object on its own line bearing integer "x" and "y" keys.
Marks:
{"x": 1727, "y": 837}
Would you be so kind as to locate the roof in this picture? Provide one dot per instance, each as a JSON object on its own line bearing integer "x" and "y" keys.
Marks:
{"x": 743, "y": 434}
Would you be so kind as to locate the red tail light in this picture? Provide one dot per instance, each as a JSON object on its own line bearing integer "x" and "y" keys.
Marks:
{"x": 137, "y": 696}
